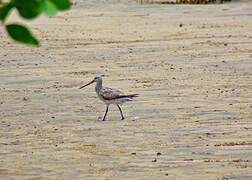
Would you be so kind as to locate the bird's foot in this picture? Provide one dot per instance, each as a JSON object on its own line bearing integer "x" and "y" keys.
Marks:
{"x": 122, "y": 118}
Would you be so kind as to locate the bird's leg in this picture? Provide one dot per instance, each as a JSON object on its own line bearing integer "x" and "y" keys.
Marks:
{"x": 106, "y": 113}
{"x": 120, "y": 111}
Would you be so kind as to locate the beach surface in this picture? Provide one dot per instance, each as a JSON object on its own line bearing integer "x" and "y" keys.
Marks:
{"x": 191, "y": 65}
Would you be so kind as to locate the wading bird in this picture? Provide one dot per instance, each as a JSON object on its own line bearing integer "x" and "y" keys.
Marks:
{"x": 110, "y": 95}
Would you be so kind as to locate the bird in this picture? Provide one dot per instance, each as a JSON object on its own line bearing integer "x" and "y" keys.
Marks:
{"x": 110, "y": 95}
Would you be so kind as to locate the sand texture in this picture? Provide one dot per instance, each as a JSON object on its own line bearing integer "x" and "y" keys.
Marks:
{"x": 191, "y": 65}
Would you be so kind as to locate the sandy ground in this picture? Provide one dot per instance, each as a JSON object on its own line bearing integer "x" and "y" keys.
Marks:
{"x": 191, "y": 65}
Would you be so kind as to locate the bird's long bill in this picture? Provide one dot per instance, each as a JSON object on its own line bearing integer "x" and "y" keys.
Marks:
{"x": 87, "y": 84}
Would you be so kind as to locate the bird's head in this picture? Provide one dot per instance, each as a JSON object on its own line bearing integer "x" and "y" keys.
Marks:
{"x": 96, "y": 79}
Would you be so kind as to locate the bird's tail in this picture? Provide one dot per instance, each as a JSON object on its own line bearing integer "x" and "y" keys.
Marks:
{"x": 131, "y": 96}
{"x": 128, "y": 97}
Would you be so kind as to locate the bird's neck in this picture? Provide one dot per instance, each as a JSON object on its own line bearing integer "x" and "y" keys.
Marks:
{"x": 98, "y": 86}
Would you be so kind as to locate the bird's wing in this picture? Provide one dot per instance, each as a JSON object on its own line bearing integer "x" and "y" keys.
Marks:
{"x": 110, "y": 93}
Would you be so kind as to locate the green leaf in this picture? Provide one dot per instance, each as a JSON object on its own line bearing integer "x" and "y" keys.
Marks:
{"x": 28, "y": 9}
{"x": 4, "y": 10}
{"x": 51, "y": 7}
{"x": 61, "y": 4}
{"x": 21, "y": 34}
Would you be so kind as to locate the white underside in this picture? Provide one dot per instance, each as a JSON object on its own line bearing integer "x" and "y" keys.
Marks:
{"x": 116, "y": 101}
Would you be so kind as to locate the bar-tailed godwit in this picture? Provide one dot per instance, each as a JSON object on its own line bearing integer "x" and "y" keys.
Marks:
{"x": 110, "y": 95}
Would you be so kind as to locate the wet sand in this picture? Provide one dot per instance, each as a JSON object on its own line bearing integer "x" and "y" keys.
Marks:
{"x": 191, "y": 65}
